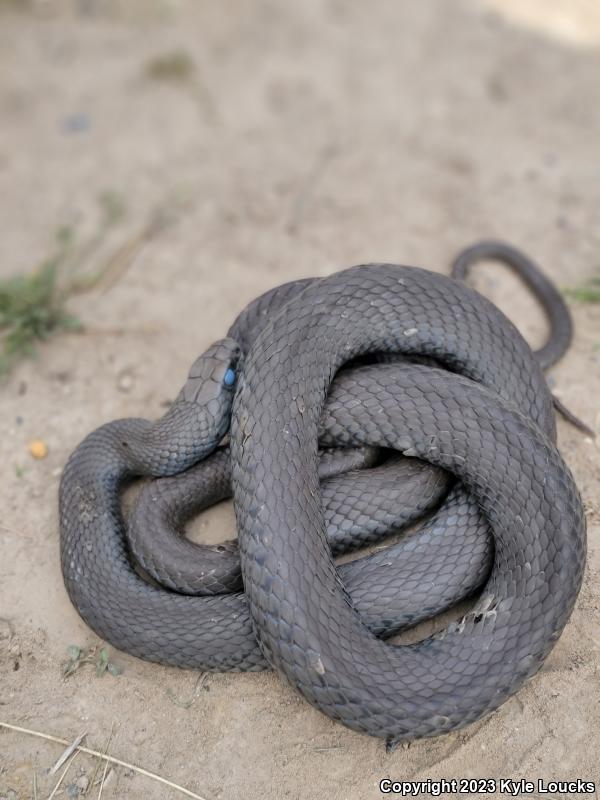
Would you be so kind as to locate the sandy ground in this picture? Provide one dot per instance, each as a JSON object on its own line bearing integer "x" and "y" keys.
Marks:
{"x": 309, "y": 136}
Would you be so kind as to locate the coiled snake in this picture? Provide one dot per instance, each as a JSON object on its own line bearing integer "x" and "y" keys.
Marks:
{"x": 479, "y": 409}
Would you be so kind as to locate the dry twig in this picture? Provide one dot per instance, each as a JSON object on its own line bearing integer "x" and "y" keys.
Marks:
{"x": 104, "y": 757}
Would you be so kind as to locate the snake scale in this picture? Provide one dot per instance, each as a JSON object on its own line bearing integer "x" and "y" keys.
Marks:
{"x": 460, "y": 389}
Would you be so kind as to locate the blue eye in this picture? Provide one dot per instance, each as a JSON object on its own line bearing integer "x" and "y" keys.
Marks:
{"x": 229, "y": 378}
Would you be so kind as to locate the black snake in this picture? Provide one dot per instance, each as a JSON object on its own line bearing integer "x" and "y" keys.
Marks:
{"x": 486, "y": 418}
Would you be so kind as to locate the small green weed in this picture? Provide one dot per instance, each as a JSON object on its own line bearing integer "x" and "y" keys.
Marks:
{"x": 586, "y": 293}
{"x": 33, "y": 307}
{"x": 96, "y": 656}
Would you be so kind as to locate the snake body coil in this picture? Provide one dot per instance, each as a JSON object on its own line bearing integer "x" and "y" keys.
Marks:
{"x": 486, "y": 417}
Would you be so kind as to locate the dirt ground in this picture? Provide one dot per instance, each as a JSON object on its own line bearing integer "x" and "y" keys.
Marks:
{"x": 279, "y": 140}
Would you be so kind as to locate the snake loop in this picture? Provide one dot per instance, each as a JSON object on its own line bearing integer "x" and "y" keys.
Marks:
{"x": 482, "y": 412}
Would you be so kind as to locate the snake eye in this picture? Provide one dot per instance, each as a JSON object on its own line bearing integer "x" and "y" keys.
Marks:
{"x": 229, "y": 377}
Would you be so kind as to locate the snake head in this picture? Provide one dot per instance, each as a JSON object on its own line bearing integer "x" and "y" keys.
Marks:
{"x": 201, "y": 414}
{"x": 194, "y": 424}
{"x": 213, "y": 375}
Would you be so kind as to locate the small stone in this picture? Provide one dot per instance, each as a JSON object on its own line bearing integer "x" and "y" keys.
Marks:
{"x": 125, "y": 381}
{"x": 38, "y": 449}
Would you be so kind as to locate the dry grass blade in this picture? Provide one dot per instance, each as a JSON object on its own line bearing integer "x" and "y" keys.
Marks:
{"x": 63, "y": 773}
{"x": 102, "y": 781}
{"x": 113, "y": 269}
{"x": 112, "y": 727}
{"x": 125, "y": 255}
{"x": 68, "y": 752}
{"x": 104, "y": 757}
{"x": 108, "y": 741}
